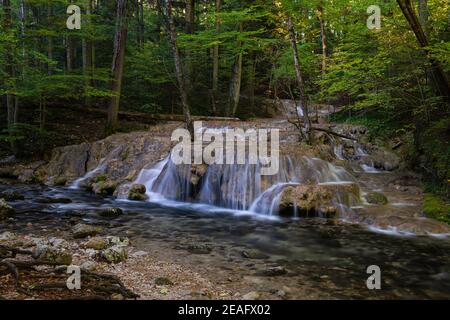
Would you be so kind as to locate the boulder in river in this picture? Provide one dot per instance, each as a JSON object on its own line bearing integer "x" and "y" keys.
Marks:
{"x": 111, "y": 212}
{"x": 83, "y": 230}
{"x": 382, "y": 159}
{"x": 317, "y": 199}
{"x": 6, "y": 211}
{"x": 104, "y": 188}
{"x": 137, "y": 193}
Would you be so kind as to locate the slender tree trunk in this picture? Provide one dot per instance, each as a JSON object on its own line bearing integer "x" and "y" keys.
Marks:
{"x": 87, "y": 47}
{"x": 120, "y": 40}
{"x": 140, "y": 23}
{"x": 423, "y": 16}
{"x": 323, "y": 37}
{"x": 300, "y": 82}
{"x": 11, "y": 100}
{"x": 189, "y": 29}
{"x": 49, "y": 38}
{"x": 165, "y": 7}
{"x": 442, "y": 83}
{"x": 215, "y": 76}
{"x": 236, "y": 80}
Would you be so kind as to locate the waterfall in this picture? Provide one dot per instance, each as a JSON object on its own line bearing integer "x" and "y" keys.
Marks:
{"x": 237, "y": 186}
{"x": 101, "y": 167}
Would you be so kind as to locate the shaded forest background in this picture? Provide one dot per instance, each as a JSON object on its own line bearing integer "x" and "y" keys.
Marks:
{"x": 225, "y": 58}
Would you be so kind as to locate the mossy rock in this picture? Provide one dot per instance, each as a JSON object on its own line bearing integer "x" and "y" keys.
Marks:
{"x": 376, "y": 198}
{"x": 111, "y": 212}
{"x": 105, "y": 188}
{"x": 60, "y": 181}
{"x": 82, "y": 231}
{"x": 6, "y": 211}
{"x": 137, "y": 193}
{"x": 115, "y": 254}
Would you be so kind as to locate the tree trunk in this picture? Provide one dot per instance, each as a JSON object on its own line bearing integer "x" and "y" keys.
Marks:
{"x": 49, "y": 38}
{"x": 11, "y": 100}
{"x": 166, "y": 5}
{"x": 120, "y": 40}
{"x": 141, "y": 25}
{"x": 235, "y": 83}
{"x": 189, "y": 29}
{"x": 423, "y": 16}
{"x": 323, "y": 37}
{"x": 300, "y": 83}
{"x": 440, "y": 78}
{"x": 215, "y": 76}
{"x": 87, "y": 48}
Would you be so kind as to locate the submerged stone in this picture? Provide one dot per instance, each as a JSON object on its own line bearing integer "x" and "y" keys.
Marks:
{"x": 111, "y": 212}
{"x": 6, "y": 211}
{"x": 82, "y": 230}
{"x": 11, "y": 196}
{"x": 115, "y": 254}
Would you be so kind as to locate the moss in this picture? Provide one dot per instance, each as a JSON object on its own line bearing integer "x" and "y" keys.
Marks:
{"x": 376, "y": 198}
{"x": 435, "y": 208}
{"x": 101, "y": 178}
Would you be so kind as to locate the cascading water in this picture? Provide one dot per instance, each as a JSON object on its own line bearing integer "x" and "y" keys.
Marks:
{"x": 90, "y": 174}
{"x": 236, "y": 187}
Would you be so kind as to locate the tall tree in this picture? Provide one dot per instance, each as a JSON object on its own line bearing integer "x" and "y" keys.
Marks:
{"x": 323, "y": 36}
{"x": 215, "y": 75}
{"x": 165, "y": 7}
{"x": 299, "y": 78}
{"x": 10, "y": 68}
{"x": 236, "y": 79}
{"x": 439, "y": 76}
{"x": 120, "y": 41}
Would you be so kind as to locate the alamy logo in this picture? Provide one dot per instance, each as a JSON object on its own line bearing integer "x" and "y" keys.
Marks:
{"x": 74, "y": 280}
{"x": 374, "y": 20}
{"x": 74, "y": 20}
{"x": 227, "y": 146}
{"x": 374, "y": 281}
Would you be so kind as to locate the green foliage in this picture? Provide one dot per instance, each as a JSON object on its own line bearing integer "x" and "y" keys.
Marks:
{"x": 434, "y": 207}
{"x": 29, "y": 139}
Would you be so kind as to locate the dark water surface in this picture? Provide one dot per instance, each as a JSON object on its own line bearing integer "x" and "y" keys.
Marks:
{"x": 327, "y": 257}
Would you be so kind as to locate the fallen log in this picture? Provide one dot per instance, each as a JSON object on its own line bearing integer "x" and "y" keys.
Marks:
{"x": 148, "y": 117}
{"x": 325, "y": 130}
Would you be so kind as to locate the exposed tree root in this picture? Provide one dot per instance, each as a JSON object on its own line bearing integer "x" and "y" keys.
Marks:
{"x": 50, "y": 280}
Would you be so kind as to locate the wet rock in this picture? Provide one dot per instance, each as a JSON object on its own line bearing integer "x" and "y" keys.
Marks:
{"x": 118, "y": 241}
{"x": 163, "y": 281}
{"x": 82, "y": 231}
{"x": 139, "y": 254}
{"x": 115, "y": 254}
{"x": 57, "y": 242}
{"x": 117, "y": 296}
{"x": 60, "y": 181}
{"x": 6, "y": 211}
{"x": 253, "y": 254}
{"x": 52, "y": 255}
{"x": 111, "y": 212}
{"x": 88, "y": 266}
{"x": 7, "y": 173}
{"x": 199, "y": 249}
{"x": 382, "y": 159}
{"x": 11, "y": 196}
{"x": 104, "y": 188}
{"x": 49, "y": 200}
{"x": 7, "y": 236}
{"x": 314, "y": 200}
{"x": 376, "y": 198}
{"x": 253, "y": 295}
{"x": 275, "y": 271}
{"x": 137, "y": 193}
{"x": 96, "y": 243}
